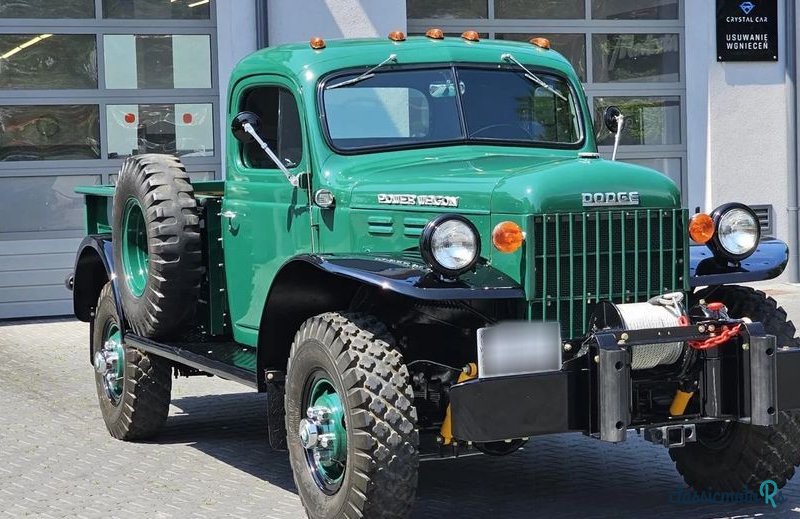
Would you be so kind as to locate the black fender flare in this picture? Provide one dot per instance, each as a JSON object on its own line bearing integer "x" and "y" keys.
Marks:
{"x": 413, "y": 278}
{"x": 94, "y": 267}
{"x": 767, "y": 262}
{"x": 295, "y": 293}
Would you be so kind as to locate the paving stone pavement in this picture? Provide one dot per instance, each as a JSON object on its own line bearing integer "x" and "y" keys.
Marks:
{"x": 212, "y": 459}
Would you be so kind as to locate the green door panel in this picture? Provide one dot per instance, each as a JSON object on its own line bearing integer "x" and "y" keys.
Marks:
{"x": 270, "y": 221}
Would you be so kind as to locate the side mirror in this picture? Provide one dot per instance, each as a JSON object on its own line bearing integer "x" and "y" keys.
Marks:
{"x": 237, "y": 126}
{"x": 612, "y": 119}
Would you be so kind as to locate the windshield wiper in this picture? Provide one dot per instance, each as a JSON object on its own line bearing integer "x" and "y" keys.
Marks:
{"x": 533, "y": 77}
{"x": 366, "y": 75}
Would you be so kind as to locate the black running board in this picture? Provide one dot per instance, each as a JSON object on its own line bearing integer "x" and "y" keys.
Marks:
{"x": 181, "y": 355}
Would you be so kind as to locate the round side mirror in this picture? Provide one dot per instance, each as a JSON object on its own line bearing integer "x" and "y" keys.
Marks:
{"x": 237, "y": 126}
{"x": 611, "y": 118}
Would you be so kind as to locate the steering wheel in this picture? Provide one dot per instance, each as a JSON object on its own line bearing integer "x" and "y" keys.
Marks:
{"x": 516, "y": 131}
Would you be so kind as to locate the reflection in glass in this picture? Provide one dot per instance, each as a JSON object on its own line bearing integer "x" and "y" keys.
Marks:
{"x": 550, "y": 9}
{"x": 49, "y": 132}
{"x": 635, "y": 10}
{"x": 447, "y": 9}
{"x": 181, "y": 129}
{"x": 648, "y": 120}
{"x": 636, "y": 57}
{"x": 46, "y": 9}
{"x": 571, "y": 46}
{"x": 158, "y": 9}
{"x": 157, "y": 61}
{"x": 48, "y": 61}
{"x": 43, "y": 203}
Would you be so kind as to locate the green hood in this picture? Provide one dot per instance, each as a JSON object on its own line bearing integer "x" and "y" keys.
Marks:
{"x": 494, "y": 181}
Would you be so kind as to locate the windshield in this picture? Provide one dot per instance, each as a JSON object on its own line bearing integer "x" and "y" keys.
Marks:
{"x": 423, "y": 107}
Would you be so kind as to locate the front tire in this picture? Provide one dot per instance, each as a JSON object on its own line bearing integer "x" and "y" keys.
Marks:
{"x": 730, "y": 457}
{"x": 133, "y": 388}
{"x": 345, "y": 373}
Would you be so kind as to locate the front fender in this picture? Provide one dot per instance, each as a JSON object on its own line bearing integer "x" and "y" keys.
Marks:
{"x": 411, "y": 277}
{"x": 767, "y": 262}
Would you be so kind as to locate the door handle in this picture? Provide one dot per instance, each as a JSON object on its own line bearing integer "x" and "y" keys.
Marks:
{"x": 230, "y": 215}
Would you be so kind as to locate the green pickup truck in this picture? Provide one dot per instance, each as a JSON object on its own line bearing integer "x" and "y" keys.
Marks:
{"x": 416, "y": 237}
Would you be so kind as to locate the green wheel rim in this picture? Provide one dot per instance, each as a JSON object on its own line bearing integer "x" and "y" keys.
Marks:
{"x": 327, "y": 462}
{"x": 134, "y": 247}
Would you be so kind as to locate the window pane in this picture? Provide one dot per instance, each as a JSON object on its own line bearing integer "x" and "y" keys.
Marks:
{"x": 43, "y": 203}
{"x": 49, "y": 132}
{"x": 157, "y": 61}
{"x": 45, "y": 61}
{"x": 46, "y": 9}
{"x": 572, "y": 46}
{"x": 670, "y": 167}
{"x": 447, "y": 8}
{"x": 635, "y": 9}
{"x": 181, "y": 129}
{"x": 553, "y": 9}
{"x": 636, "y": 57}
{"x": 648, "y": 120}
{"x": 158, "y": 9}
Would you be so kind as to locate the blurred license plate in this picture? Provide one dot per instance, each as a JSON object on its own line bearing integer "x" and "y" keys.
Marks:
{"x": 518, "y": 348}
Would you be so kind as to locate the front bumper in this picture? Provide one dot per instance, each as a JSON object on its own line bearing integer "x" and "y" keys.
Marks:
{"x": 747, "y": 379}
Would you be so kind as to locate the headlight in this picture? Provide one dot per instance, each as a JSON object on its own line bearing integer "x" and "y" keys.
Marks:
{"x": 450, "y": 244}
{"x": 737, "y": 231}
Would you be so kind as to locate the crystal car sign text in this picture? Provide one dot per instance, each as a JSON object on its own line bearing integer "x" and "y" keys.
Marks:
{"x": 747, "y": 30}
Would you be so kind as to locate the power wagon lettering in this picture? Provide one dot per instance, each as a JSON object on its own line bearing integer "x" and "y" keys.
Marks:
{"x": 434, "y": 200}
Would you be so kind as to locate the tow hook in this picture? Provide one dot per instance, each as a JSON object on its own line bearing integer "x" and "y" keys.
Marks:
{"x": 671, "y": 436}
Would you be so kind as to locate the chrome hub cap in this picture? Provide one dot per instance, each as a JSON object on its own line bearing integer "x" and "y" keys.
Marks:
{"x": 109, "y": 364}
{"x": 323, "y": 435}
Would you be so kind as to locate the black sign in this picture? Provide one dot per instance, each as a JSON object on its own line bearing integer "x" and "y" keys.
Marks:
{"x": 747, "y": 30}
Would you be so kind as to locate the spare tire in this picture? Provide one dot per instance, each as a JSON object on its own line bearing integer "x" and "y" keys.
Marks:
{"x": 157, "y": 245}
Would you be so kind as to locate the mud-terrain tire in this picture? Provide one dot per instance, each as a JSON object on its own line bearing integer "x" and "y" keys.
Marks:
{"x": 353, "y": 356}
{"x": 136, "y": 407}
{"x": 157, "y": 245}
{"x": 730, "y": 457}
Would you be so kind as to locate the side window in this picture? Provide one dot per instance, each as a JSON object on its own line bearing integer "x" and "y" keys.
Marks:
{"x": 280, "y": 127}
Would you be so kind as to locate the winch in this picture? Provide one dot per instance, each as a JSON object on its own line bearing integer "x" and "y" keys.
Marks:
{"x": 664, "y": 311}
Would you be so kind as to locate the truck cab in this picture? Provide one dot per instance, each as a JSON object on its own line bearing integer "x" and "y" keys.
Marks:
{"x": 417, "y": 236}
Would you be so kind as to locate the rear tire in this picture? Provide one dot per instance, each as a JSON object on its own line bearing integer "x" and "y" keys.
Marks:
{"x": 347, "y": 363}
{"x": 730, "y": 457}
{"x": 157, "y": 245}
{"x": 135, "y": 400}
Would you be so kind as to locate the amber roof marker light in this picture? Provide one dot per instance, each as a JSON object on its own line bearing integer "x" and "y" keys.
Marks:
{"x": 701, "y": 228}
{"x": 435, "y": 33}
{"x": 397, "y": 36}
{"x": 317, "y": 43}
{"x": 470, "y": 36}
{"x": 542, "y": 43}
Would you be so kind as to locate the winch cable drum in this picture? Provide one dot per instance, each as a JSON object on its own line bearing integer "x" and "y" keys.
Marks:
{"x": 664, "y": 311}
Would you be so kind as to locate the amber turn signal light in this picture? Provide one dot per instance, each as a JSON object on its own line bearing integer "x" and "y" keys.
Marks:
{"x": 507, "y": 237}
{"x": 317, "y": 43}
{"x": 470, "y": 36}
{"x": 397, "y": 36}
{"x": 701, "y": 228}
{"x": 435, "y": 33}
{"x": 542, "y": 43}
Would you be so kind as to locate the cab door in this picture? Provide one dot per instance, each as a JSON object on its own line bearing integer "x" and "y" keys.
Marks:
{"x": 265, "y": 220}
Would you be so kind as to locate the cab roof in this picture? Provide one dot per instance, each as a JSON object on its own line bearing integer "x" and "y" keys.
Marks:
{"x": 299, "y": 60}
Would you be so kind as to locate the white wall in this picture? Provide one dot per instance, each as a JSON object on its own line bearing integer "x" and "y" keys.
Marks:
{"x": 236, "y": 34}
{"x": 295, "y": 20}
{"x": 738, "y": 123}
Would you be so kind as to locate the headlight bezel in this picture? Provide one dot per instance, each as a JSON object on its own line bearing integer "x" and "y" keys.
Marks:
{"x": 715, "y": 244}
{"x": 426, "y": 248}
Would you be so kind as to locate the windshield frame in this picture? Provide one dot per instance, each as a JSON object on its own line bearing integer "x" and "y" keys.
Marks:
{"x": 464, "y": 139}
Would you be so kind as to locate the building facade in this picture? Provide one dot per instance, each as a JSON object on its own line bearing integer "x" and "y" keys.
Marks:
{"x": 85, "y": 83}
